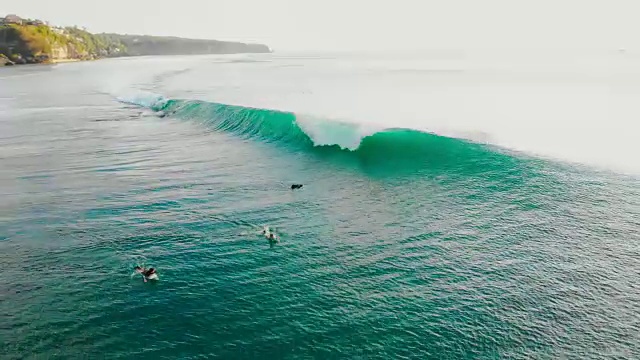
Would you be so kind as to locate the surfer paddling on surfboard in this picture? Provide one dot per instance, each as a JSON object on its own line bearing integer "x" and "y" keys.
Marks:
{"x": 269, "y": 235}
{"x": 147, "y": 274}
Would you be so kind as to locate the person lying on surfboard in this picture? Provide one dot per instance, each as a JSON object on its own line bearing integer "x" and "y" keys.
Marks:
{"x": 270, "y": 236}
{"x": 147, "y": 274}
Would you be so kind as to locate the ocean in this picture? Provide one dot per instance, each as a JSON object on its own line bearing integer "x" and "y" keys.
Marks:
{"x": 455, "y": 206}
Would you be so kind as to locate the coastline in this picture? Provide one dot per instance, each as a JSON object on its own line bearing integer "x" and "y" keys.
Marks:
{"x": 59, "y": 61}
{"x": 29, "y": 41}
{"x": 63, "y": 61}
{"x": 48, "y": 62}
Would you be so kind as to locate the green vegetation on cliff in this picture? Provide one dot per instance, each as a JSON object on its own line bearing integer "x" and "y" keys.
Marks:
{"x": 96, "y": 44}
{"x": 32, "y": 41}
{"x": 27, "y": 40}
{"x": 39, "y": 43}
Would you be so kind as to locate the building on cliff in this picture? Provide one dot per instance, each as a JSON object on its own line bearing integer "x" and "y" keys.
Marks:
{"x": 12, "y": 19}
{"x": 35, "y": 22}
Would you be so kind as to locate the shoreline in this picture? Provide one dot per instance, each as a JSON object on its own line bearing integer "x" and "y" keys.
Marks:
{"x": 49, "y": 62}
{"x": 60, "y": 61}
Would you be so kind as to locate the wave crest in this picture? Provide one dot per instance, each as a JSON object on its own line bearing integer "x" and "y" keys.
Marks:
{"x": 395, "y": 147}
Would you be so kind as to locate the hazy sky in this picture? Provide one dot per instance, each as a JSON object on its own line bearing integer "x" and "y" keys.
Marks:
{"x": 358, "y": 24}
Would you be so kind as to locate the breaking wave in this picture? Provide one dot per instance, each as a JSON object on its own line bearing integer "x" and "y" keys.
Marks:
{"x": 397, "y": 147}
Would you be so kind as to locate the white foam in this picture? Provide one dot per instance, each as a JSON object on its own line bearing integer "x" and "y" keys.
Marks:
{"x": 142, "y": 98}
{"x": 346, "y": 135}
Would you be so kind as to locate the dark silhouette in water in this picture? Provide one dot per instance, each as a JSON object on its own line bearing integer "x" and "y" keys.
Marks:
{"x": 146, "y": 273}
{"x": 296, "y": 186}
{"x": 149, "y": 272}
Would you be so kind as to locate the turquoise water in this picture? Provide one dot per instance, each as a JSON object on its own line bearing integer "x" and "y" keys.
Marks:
{"x": 402, "y": 243}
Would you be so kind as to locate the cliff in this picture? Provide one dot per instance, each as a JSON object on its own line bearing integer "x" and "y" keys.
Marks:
{"x": 157, "y": 45}
{"x": 41, "y": 43}
{"x": 32, "y": 41}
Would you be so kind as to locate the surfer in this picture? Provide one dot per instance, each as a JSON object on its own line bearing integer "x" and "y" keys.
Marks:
{"x": 147, "y": 274}
{"x": 150, "y": 272}
{"x": 269, "y": 235}
{"x": 272, "y": 239}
